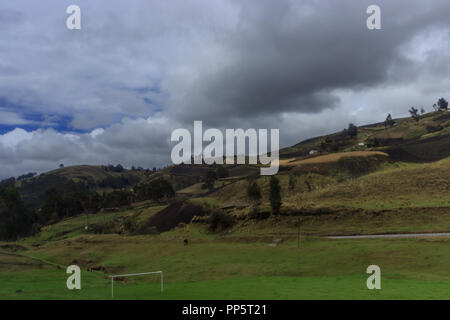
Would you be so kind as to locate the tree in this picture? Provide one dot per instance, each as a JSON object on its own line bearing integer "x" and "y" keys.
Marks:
{"x": 130, "y": 225}
{"x": 389, "y": 121}
{"x": 10, "y": 181}
{"x": 61, "y": 165}
{"x": 219, "y": 220}
{"x": 157, "y": 189}
{"x": 16, "y": 219}
{"x": 414, "y": 114}
{"x": 422, "y": 110}
{"x": 253, "y": 191}
{"x": 443, "y": 104}
{"x": 65, "y": 201}
{"x": 275, "y": 194}
{"x": 209, "y": 178}
{"x": 352, "y": 130}
{"x": 222, "y": 172}
{"x": 292, "y": 182}
{"x": 117, "y": 198}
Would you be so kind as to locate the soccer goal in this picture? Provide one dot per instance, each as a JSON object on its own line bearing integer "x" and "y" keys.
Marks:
{"x": 133, "y": 275}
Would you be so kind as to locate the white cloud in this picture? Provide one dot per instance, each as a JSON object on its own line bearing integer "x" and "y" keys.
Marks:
{"x": 14, "y": 137}
{"x": 138, "y": 69}
{"x": 11, "y": 118}
{"x": 140, "y": 142}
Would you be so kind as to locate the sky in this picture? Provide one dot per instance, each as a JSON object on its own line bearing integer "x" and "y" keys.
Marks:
{"x": 114, "y": 91}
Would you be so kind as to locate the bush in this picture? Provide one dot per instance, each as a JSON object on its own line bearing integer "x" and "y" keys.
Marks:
{"x": 253, "y": 191}
{"x": 157, "y": 189}
{"x": 334, "y": 146}
{"x": 443, "y": 104}
{"x": 130, "y": 225}
{"x": 222, "y": 172}
{"x": 144, "y": 228}
{"x": 377, "y": 142}
{"x": 117, "y": 198}
{"x": 434, "y": 128}
{"x": 106, "y": 227}
{"x": 16, "y": 219}
{"x": 352, "y": 130}
{"x": 209, "y": 178}
{"x": 275, "y": 194}
{"x": 220, "y": 220}
{"x": 257, "y": 214}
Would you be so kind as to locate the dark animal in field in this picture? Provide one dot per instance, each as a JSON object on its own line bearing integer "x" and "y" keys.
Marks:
{"x": 185, "y": 242}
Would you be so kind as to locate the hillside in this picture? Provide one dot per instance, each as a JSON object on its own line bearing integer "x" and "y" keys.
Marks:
{"x": 407, "y": 140}
{"x": 357, "y": 176}
{"x": 392, "y": 180}
{"x": 329, "y": 156}
{"x": 93, "y": 178}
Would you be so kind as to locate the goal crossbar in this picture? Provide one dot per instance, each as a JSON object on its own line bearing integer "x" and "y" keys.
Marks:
{"x": 132, "y": 275}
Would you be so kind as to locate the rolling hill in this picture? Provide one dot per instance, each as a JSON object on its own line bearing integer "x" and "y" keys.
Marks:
{"x": 384, "y": 180}
{"x": 93, "y": 178}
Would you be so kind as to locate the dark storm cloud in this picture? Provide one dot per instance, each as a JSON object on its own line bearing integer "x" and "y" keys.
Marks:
{"x": 139, "y": 69}
{"x": 289, "y": 56}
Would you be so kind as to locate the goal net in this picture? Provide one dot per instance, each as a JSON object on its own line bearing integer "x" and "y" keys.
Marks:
{"x": 136, "y": 275}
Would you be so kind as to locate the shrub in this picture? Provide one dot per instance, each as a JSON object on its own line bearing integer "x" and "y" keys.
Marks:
{"x": 220, "y": 220}
{"x": 443, "y": 104}
{"x": 257, "y": 214}
{"x": 414, "y": 114}
{"x": 253, "y": 191}
{"x": 130, "y": 225}
{"x": 275, "y": 194}
{"x": 209, "y": 178}
{"x": 157, "y": 190}
{"x": 106, "y": 227}
{"x": 222, "y": 172}
{"x": 117, "y": 198}
{"x": 434, "y": 128}
{"x": 144, "y": 228}
{"x": 352, "y": 130}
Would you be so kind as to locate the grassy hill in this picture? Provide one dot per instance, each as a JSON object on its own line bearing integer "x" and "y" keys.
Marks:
{"x": 95, "y": 178}
{"x": 407, "y": 140}
{"x": 384, "y": 180}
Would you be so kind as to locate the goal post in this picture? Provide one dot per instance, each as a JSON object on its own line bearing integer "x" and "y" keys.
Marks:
{"x": 133, "y": 275}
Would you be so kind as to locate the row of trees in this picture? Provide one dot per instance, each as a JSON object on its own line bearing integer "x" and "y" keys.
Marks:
{"x": 120, "y": 168}
{"x": 211, "y": 176}
{"x": 157, "y": 190}
{"x": 441, "y": 105}
{"x": 254, "y": 193}
{"x": 18, "y": 219}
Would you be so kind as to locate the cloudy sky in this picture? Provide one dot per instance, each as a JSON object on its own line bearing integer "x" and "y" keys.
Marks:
{"x": 113, "y": 91}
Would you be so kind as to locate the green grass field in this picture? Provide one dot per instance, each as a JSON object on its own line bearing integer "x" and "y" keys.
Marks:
{"x": 232, "y": 268}
{"x": 238, "y": 263}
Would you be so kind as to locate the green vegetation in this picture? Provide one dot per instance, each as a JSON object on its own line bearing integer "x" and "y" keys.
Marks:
{"x": 391, "y": 177}
{"x": 253, "y": 191}
{"x": 16, "y": 219}
{"x": 157, "y": 190}
{"x": 236, "y": 269}
{"x": 275, "y": 194}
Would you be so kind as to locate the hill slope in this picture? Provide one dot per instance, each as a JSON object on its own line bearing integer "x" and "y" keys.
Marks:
{"x": 94, "y": 178}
